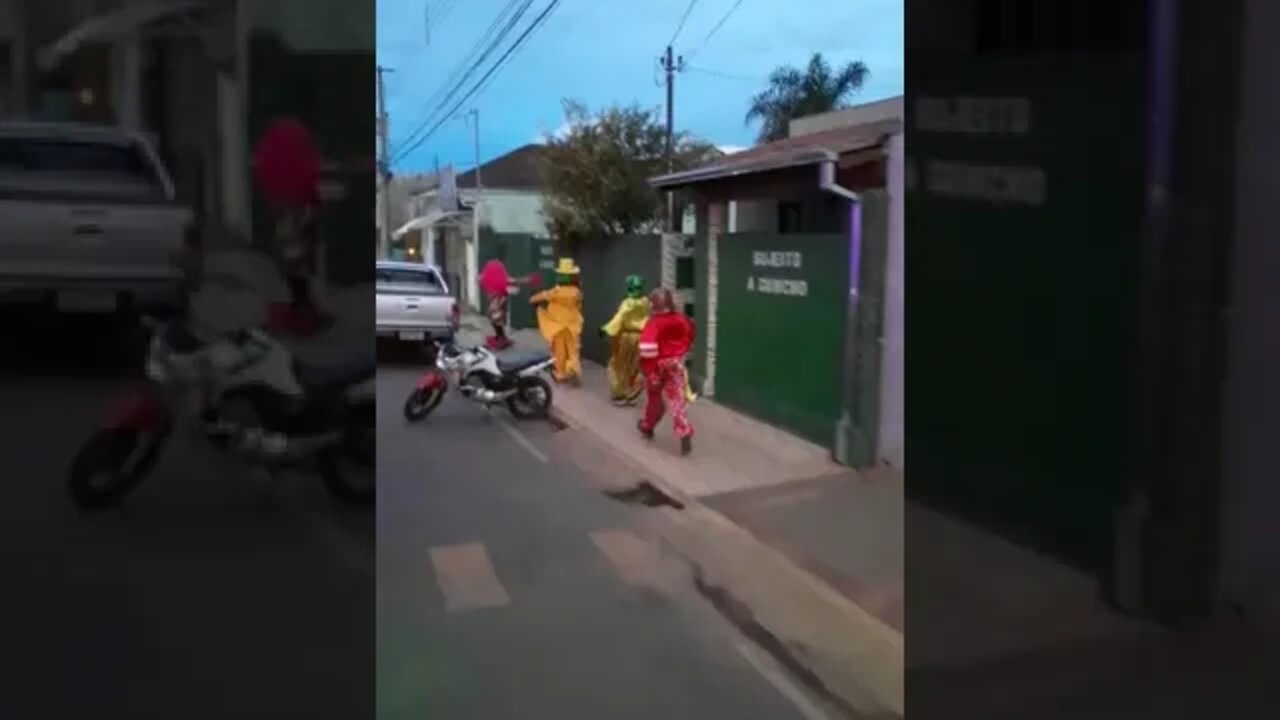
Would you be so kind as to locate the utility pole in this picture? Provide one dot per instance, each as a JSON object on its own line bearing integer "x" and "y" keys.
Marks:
{"x": 473, "y": 252}
{"x": 384, "y": 166}
{"x": 671, "y": 65}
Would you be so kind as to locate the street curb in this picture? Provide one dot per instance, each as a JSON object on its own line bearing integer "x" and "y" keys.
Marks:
{"x": 857, "y": 657}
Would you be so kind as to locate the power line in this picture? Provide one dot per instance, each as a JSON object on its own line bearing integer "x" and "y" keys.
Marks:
{"x": 520, "y": 41}
{"x": 515, "y": 10}
{"x": 684, "y": 19}
{"x": 515, "y": 50}
{"x": 476, "y": 57}
{"x": 446, "y": 8}
{"x": 716, "y": 28}
{"x": 724, "y": 75}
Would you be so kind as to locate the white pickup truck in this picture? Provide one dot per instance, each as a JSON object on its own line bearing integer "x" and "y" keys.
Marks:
{"x": 413, "y": 302}
{"x": 88, "y": 219}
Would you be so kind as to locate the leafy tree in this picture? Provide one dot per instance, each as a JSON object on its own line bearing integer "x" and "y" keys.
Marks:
{"x": 795, "y": 93}
{"x": 596, "y": 172}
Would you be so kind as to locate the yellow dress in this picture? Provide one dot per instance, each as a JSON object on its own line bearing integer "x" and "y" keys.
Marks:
{"x": 625, "y": 380}
{"x": 560, "y": 322}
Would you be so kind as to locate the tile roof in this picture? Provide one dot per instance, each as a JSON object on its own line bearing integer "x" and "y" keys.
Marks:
{"x": 517, "y": 170}
{"x": 788, "y": 152}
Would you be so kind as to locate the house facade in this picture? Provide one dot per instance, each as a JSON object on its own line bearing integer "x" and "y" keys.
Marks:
{"x": 795, "y": 245}
{"x": 506, "y": 195}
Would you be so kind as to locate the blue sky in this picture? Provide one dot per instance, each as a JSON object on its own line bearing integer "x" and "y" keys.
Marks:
{"x": 604, "y": 52}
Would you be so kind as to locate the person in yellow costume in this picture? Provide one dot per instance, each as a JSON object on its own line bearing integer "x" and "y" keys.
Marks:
{"x": 560, "y": 321}
{"x": 626, "y": 383}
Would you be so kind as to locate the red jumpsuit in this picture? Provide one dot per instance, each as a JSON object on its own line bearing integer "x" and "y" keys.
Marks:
{"x": 667, "y": 337}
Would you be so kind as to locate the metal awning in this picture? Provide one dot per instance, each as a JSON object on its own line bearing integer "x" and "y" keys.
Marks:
{"x": 112, "y": 25}
{"x": 431, "y": 219}
{"x": 727, "y": 170}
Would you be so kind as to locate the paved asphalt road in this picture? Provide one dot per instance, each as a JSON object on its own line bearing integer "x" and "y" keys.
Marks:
{"x": 194, "y": 600}
{"x": 509, "y": 586}
{"x": 506, "y": 585}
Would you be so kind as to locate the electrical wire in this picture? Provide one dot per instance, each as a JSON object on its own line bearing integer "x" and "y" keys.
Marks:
{"x": 683, "y": 19}
{"x": 512, "y": 13}
{"x": 515, "y": 50}
{"x": 463, "y": 74}
{"x": 520, "y": 41}
{"x": 716, "y": 28}
{"x": 724, "y": 75}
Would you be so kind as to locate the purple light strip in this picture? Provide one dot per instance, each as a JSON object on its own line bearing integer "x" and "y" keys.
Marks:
{"x": 855, "y": 249}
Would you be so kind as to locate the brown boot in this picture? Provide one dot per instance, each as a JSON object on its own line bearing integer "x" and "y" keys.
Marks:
{"x": 686, "y": 444}
{"x": 646, "y": 434}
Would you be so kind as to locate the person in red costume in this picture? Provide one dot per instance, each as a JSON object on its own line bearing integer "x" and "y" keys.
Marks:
{"x": 665, "y": 340}
{"x": 286, "y": 166}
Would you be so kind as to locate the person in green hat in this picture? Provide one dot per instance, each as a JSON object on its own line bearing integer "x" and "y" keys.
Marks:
{"x": 626, "y": 383}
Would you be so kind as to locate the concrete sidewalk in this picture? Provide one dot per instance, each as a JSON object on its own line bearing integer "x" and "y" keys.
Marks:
{"x": 731, "y": 452}
{"x": 846, "y": 529}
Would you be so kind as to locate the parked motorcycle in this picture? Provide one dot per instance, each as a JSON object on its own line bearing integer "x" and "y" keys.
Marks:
{"x": 516, "y": 378}
{"x": 247, "y": 394}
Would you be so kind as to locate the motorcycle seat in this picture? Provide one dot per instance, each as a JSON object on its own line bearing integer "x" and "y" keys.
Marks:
{"x": 336, "y": 372}
{"x": 518, "y": 360}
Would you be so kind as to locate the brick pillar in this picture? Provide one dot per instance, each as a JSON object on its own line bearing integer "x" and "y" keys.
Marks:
{"x": 717, "y": 216}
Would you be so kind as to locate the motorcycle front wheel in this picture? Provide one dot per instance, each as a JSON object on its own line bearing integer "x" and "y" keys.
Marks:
{"x": 111, "y": 463}
{"x": 421, "y": 402}
{"x": 532, "y": 399}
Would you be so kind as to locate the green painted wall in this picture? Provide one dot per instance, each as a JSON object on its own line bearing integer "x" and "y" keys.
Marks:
{"x": 523, "y": 255}
{"x": 1035, "y": 448}
{"x": 606, "y": 263}
{"x": 780, "y": 336}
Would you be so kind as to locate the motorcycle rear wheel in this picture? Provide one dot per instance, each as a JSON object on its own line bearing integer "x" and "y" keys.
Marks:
{"x": 532, "y": 399}
{"x": 111, "y": 463}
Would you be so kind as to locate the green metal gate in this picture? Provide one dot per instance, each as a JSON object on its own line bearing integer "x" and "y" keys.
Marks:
{"x": 780, "y": 329}
{"x": 1024, "y": 221}
{"x": 524, "y": 255}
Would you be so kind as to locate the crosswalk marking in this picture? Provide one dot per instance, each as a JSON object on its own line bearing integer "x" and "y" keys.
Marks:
{"x": 637, "y": 562}
{"x": 467, "y": 579}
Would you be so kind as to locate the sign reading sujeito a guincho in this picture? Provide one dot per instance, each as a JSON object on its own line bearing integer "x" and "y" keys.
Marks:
{"x": 771, "y": 262}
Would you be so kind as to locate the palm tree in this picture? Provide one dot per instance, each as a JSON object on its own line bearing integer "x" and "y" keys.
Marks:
{"x": 795, "y": 93}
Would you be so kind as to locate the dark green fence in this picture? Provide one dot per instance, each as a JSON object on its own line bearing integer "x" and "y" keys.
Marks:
{"x": 1022, "y": 308}
{"x": 606, "y": 263}
{"x": 524, "y": 255}
{"x": 781, "y": 313}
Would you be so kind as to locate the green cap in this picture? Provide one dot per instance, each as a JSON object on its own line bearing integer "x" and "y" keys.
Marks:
{"x": 635, "y": 286}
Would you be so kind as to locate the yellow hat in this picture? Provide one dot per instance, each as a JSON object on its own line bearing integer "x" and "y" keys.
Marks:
{"x": 567, "y": 267}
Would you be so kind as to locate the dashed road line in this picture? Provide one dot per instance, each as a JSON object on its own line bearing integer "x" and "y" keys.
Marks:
{"x": 467, "y": 579}
{"x": 524, "y": 441}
